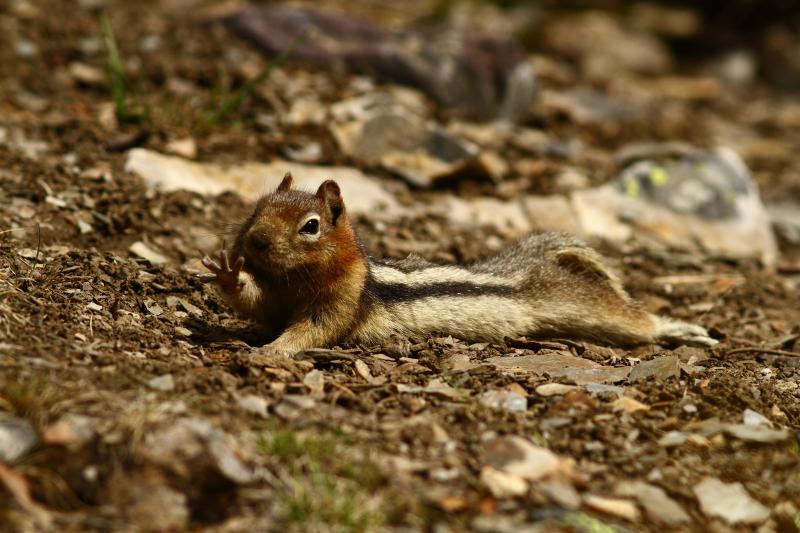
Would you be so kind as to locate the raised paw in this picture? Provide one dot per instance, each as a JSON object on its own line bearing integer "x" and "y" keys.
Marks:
{"x": 676, "y": 332}
{"x": 226, "y": 276}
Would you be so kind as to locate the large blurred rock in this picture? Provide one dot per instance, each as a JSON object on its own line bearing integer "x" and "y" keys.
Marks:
{"x": 705, "y": 200}
{"x": 386, "y": 129}
{"x": 482, "y": 77}
{"x": 251, "y": 180}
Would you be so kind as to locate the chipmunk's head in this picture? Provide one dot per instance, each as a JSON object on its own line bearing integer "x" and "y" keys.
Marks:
{"x": 294, "y": 231}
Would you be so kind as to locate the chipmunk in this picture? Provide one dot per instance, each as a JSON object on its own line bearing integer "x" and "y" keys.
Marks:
{"x": 298, "y": 268}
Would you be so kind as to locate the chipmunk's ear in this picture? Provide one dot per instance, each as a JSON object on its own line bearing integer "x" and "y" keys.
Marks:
{"x": 286, "y": 183}
{"x": 331, "y": 195}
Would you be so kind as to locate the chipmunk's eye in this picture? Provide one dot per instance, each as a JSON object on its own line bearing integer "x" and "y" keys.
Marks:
{"x": 311, "y": 227}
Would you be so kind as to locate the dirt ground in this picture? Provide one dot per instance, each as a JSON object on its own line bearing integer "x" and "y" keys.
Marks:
{"x": 153, "y": 411}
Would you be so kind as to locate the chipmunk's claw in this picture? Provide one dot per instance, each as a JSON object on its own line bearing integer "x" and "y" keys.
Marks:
{"x": 676, "y": 332}
{"x": 210, "y": 264}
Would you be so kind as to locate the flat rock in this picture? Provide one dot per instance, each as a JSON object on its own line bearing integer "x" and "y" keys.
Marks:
{"x": 659, "y": 368}
{"x": 503, "y": 399}
{"x": 613, "y": 506}
{"x": 555, "y": 389}
{"x": 552, "y": 213}
{"x": 673, "y": 438}
{"x": 560, "y": 491}
{"x": 458, "y": 362}
{"x": 755, "y": 419}
{"x": 519, "y": 457}
{"x": 600, "y": 388}
{"x": 508, "y": 217}
{"x": 17, "y": 437}
{"x": 762, "y": 434}
{"x": 557, "y": 364}
{"x": 292, "y": 406}
{"x": 502, "y": 484}
{"x": 251, "y": 180}
{"x": 657, "y": 505}
{"x": 730, "y": 502}
{"x": 436, "y": 387}
{"x": 252, "y": 404}
{"x": 140, "y": 249}
{"x": 163, "y": 383}
{"x": 629, "y": 405}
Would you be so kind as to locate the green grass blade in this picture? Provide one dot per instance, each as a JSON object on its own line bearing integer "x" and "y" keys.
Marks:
{"x": 232, "y": 103}
{"x": 116, "y": 76}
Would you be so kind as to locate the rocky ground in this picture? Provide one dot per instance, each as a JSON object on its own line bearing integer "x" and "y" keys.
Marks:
{"x": 131, "y": 398}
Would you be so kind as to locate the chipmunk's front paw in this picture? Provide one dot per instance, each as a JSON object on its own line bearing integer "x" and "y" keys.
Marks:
{"x": 273, "y": 349}
{"x": 676, "y": 332}
{"x": 226, "y": 276}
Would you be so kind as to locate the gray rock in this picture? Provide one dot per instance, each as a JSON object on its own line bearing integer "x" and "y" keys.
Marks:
{"x": 588, "y": 107}
{"x": 403, "y": 142}
{"x": 705, "y": 200}
{"x": 163, "y": 383}
{"x": 762, "y": 434}
{"x": 517, "y": 456}
{"x": 657, "y": 505}
{"x": 730, "y": 502}
{"x": 252, "y": 404}
{"x": 502, "y": 399}
{"x": 17, "y": 437}
{"x": 153, "y": 307}
{"x": 785, "y": 218}
{"x": 600, "y": 388}
{"x": 294, "y": 405}
{"x": 561, "y": 492}
{"x": 556, "y": 364}
{"x": 659, "y": 368}
{"x": 755, "y": 419}
{"x": 673, "y": 438}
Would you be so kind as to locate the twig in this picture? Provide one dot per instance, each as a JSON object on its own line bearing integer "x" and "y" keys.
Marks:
{"x": 38, "y": 247}
{"x": 764, "y": 351}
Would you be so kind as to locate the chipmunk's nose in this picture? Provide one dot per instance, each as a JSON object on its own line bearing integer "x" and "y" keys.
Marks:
{"x": 259, "y": 242}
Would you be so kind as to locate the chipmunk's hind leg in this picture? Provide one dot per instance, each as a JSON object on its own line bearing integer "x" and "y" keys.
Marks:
{"x": 586, "y": 262}
{"x": 620, "y": 319}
